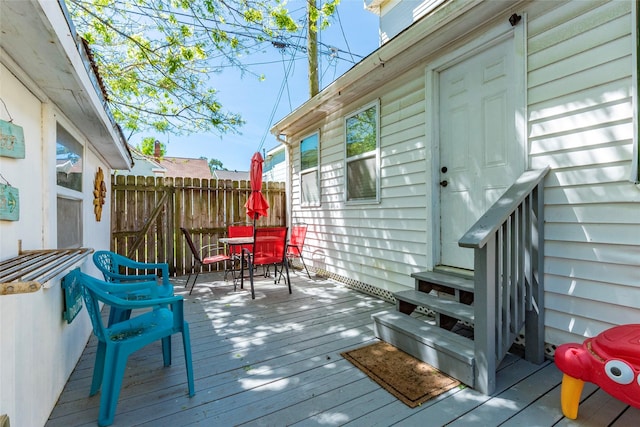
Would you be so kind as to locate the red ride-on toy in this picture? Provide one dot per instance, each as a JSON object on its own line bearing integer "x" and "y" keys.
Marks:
{"x": 610, "y": 360}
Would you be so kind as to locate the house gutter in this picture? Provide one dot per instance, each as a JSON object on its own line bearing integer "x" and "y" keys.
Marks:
{"x": 99, "y": 95}
{"x": 75, "y": 92}
{"x": 414, "y": 45}
{"x": 423, "y": 39}
{"x": 288, "y": 186}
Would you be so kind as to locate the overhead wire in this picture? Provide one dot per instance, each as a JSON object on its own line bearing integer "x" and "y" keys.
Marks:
{"x": 333, "y": 54}
{"x": 335, "y": 51}
{"x": 259, "y": 40}
{"x": 283, "y": 41}
{"x": 344, "y": 36}
{"x": 285, "y": 74}
{"x": 284, "y": 84}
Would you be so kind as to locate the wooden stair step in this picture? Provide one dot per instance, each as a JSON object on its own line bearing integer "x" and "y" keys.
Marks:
{"x": 446, "y": 279}
{"x": 447, "y": 307}
{"x": 446, "y": 351}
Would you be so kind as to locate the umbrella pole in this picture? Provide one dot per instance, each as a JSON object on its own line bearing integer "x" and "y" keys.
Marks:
{"x": 250, "y": 260}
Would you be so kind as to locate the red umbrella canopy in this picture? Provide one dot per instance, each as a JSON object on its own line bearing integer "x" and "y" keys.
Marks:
{"x": 256, "y": 205}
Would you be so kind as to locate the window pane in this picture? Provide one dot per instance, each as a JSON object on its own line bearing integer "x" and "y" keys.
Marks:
{"x": 68, "y": 160}
{"x": 309, "y": 152}
{"x": 69, "y": 223}
{"x": 361, "y": 132}
{"x": 361, "y": 178}
{"x": 310, "y": 191}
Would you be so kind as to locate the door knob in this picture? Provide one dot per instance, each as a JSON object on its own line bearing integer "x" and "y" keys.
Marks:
{"x": 444, "y": 183}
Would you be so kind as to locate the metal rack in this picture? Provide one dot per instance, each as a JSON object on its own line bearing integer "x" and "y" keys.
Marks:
{"x": 28, "y": 271}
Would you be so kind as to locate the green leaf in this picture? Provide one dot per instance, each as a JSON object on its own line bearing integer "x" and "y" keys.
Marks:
{"x": 156, "y": 57}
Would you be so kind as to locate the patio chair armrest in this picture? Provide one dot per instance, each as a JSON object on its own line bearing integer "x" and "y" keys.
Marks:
{"x": 246, "y": 252}
{"x": 145, "y": 265}
{"x": 176, "y": 302}
{"x": 125, "y": 304}
{"x": 162, "y": 266}
{"x": 154, "y": 302}
{"x": 208, "y": 249}
{"x": 121, "y": 288}
{"x": 292, "y": 246}
{"x": 124, "y": 278}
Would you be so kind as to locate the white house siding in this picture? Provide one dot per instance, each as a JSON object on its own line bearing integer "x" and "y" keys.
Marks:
{"x": 580, "y": 95}
{"x": 396, "y": 15}
{"x": 377, "y": 244}
{"x": 275, "y": 165}
{"x": 580, "y": 108}
{"x": 38, "y": 349}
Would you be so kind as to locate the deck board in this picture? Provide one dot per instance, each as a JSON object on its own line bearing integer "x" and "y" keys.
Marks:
{"x": 276, "y": 361}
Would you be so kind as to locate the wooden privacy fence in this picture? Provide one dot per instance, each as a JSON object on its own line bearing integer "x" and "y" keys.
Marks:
{"x": 147, "y": 213}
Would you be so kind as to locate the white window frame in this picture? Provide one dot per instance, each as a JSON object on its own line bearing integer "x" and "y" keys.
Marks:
{"x": 375, "y": 154}
{"x": 71, "y": 194}
{"x": 635, "y": 161}
{"x": 304, "y": 202}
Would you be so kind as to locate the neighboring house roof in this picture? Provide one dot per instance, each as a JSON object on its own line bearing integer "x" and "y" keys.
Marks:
{"x": 53, "y": 46}
{"x": 232, "y": 175}
{"x": 181, "y": 167}
{"x": 143, "y": 165}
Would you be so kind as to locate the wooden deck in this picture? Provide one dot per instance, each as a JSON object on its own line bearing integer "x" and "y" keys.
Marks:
{"x": 275, "y": 361}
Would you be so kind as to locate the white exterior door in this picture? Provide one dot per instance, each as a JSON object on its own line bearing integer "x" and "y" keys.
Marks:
{"x": 480, "y": 156}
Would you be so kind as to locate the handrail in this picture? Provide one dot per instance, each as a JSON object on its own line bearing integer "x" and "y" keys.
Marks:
{"x": 489, "y": 223}
{"x": 508, "y": 243}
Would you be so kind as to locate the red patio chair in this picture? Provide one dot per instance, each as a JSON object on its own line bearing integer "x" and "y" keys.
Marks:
{"x": 206, "y": 259}
{"x": 269, "y": 247}
{"x": 296, "y": 243}
{"x": 240, "y": 229}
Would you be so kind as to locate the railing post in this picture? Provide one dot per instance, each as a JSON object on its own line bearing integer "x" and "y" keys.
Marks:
{"x": 485, "y": 318}
{"x": 534, "y": 320}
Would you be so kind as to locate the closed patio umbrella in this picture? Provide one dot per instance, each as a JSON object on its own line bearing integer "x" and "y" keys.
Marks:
{"x": 256, "y": 205}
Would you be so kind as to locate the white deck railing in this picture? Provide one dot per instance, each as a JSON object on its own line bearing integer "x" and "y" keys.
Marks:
{"x": 509, "y": 289}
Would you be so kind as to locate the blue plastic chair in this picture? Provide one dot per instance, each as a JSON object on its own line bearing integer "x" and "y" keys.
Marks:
{"x": 118, "y": 341}
{"x": 112, "y": 266}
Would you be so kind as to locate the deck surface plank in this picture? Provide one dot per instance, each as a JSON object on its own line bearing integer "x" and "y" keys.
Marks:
{"x": 500, "y": 408}
{"x": 275, "y": 361}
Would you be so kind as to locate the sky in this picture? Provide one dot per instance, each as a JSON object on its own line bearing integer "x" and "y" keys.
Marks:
{"x": 285, "y": 87}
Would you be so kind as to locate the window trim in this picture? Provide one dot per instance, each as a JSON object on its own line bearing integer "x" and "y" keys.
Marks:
{"x": 635, "y": 162}
{"x": 314, "y": 169}
{"x": 72, "y": 194}
{"x": 80, "y": 225}
{"x": 375, "y": 154}
{"x": 82, "y": 147}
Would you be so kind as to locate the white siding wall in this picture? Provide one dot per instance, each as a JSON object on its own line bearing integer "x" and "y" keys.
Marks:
{"x": 397, "y": 15}
{"x": 38, "y": 350}
{"x": 377, "y": 244}
{"x": 581, "y": 123}
{"x": 276, "y": 158}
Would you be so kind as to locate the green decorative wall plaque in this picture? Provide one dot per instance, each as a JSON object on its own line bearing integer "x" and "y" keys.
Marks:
{"x": 9, "y": 203}
{"x": 72, "y": 296}
{"x": 11, "y": 140}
